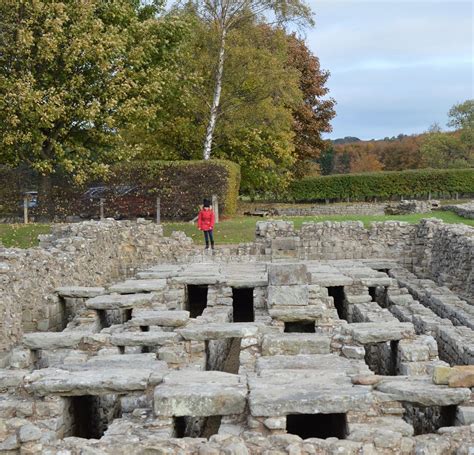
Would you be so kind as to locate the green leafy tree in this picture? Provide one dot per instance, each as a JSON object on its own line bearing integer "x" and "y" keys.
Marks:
{"x": 259, "y": 93}
{"x": 462, "y": 118}
{"x": 74, "y": 73}
{"x": 444, "y": 150}
{"x": 227, "y": 15}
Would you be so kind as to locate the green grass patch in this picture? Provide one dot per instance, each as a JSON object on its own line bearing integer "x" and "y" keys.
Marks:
{"x": 231, "y": 231}
{"x": 22, "y": 235}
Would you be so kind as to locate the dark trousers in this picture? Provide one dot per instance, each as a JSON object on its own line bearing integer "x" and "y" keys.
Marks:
{"x": 208, "y": 236}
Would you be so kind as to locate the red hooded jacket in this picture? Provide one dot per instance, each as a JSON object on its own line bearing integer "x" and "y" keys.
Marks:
{"x": 206, "y": 220}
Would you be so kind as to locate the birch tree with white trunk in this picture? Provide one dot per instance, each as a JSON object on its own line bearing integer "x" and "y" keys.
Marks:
{"x": 225, "y": 15}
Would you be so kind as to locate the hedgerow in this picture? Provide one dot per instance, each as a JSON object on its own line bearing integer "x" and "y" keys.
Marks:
{"x": 130, "y": 190}
{"x": 384, "y": 185}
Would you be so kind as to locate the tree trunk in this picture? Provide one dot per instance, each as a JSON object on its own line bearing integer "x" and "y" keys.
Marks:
{"x": 211, "y": 126}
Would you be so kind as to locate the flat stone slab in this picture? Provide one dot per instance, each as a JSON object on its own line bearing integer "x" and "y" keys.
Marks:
{"x": 144, "y": 338}
{"x": 119, "y": 301}
{"x": 280, "y": 392}
{"x": 378, "y": 332}
{"x": 53, "y": 340}
{"x": 200, "y": 393}
{"x": 303, "y": 313}
{"x": 91, "y": 382}
{"x": 146, "y": 361}
{"x": 295, "y": 343}
{"x": 213, "y": 331}
{"x": 80, "y": 291}
{"x": 163, "y": 318}
{"x": 137, "y": 286}
{"x": 321, "y": 363}
{"x": 421, "y": 390}
{"x": 330, "y": 279}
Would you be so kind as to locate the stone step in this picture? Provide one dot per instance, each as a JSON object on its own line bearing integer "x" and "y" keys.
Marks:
{"x": 91, "y": 382}
{"x": 295, "y": 343}
{"x": 215, "y": 331}
{"x": 422, "y": 391}
{"x": 144, "y": 338}
{"x": 120, "y": 301}
{"x": 53, "y": 340}
{"x": 200, "y": 393}
{"x": 79, "y": 291}
{"x": 378, "y": 332}
{"x": 137, "y": 286}
{"x": 162, "y": 318}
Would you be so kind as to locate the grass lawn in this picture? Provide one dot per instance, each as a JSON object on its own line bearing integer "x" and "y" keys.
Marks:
{"x": 22, "y": 235}
{"x": 235, "y": 230}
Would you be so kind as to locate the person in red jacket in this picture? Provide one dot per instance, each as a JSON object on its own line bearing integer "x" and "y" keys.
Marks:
{"x": 206, "y": 223}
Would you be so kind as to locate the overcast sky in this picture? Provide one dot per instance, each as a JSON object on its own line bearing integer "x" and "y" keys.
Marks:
{"x": 396, "y": 66}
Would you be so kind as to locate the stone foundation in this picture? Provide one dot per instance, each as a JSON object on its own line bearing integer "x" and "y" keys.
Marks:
{"x": 163, "y": 362}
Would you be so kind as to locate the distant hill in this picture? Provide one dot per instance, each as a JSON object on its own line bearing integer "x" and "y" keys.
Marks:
{"x": 346, "y": 140}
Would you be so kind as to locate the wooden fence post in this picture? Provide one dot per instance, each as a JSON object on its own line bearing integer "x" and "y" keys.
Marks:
{"x": 101, "y": 209}
{"x": 158, "y": 210}
{"x": 25, "y": 210}
{"x": 215, "y": 207}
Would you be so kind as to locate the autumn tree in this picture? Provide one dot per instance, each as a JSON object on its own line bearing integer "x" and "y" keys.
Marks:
{"x": 313, "y": 114}
{"x": 228, "y": 15}
{"x": 73, "y": 73}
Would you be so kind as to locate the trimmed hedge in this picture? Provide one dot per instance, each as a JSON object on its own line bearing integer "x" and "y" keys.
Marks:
{"x": 129, "y": 191}
{"x": 384, "y": 185}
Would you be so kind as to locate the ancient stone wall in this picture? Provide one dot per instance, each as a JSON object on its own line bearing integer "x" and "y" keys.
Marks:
{"x": 333, "y": 209}
{"x": 89, "y": 253}
{"x": 445, "y": 254}
{"x": 464, "y": 210}
{"x": 334, "y": 240}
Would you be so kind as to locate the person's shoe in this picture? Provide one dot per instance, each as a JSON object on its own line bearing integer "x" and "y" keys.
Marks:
{"x": 212, "y": 245}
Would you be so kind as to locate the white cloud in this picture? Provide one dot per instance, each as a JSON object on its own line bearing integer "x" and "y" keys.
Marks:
{"x": 400, "y": 64}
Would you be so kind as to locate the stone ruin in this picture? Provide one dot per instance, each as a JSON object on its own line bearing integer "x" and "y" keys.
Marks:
{"x": 334, "y": 339}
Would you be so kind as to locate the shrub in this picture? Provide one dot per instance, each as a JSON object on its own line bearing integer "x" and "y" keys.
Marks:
{"x": 130, "y": 190}
{"x": 384, "y": 185}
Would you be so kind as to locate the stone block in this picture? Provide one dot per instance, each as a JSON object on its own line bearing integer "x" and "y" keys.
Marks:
{"x": 295, "y": 344}
{"x": 422, "y": 391}
{"x": 161, "y": 318}
{"x": 287, "y": 274}
{"x": 53, "y": 340}
{"x": 378, "y": 332}
{"x": 214, "y": 331}
{"x": 200, "y": 394}
{"x": 287, "y": 296}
